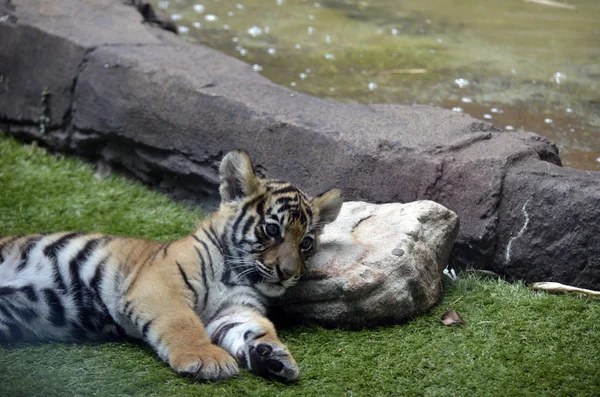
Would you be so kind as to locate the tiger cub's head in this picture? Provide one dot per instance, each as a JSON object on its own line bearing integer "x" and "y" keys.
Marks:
{"x": 272, "y": 228}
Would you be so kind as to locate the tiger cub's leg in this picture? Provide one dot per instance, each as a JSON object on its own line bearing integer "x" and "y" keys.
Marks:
{"x": 168, "y": 324}
{"x": 251, "y": 338}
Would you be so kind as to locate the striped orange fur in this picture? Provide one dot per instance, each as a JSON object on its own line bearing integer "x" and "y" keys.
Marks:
{"x": 199, "y": 302}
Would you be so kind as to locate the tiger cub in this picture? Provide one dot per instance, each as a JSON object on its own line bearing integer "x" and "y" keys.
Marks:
{"x": 199, "y": 301}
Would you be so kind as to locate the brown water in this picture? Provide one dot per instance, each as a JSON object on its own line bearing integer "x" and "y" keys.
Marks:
{"x": 517, "y": 63}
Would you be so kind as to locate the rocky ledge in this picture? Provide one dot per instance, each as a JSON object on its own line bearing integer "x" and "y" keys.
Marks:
{"x": 89, "y": 77}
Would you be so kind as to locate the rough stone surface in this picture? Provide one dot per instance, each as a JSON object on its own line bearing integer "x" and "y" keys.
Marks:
{"x": 375, "y": 264}
{"x": 115, "y": 89}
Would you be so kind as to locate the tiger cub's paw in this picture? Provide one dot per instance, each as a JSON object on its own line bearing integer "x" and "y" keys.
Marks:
{"x": 209, "y": 363}
{"x": 269, "y": 359}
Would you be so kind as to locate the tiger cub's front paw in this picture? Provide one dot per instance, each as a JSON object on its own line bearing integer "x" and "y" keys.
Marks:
{"x": 269, "y": 359}
{"x": 209, "y": 363}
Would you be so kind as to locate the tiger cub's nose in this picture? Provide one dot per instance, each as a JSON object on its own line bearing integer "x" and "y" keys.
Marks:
{"x": 284, "y": 272}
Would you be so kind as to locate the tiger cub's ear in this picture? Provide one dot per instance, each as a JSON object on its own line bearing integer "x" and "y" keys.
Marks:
{"x": 328, "y": 206}
{"x": 237, "y": 177}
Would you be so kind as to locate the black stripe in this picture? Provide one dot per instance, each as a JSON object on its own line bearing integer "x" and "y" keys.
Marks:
{"x": 8, "y": 315}
{"x": 15, "y": 331}
{"x": 97, "y": 278}
{"x": 210, "y": 261}
{"x": 7, "y": 290}
{"x": 216, "y": 239}
{"x": 30, "y": 293}
{"x": 245, "y": 210}
{"x": 218, "y": 336}
{"x": 57, "y": 310}
{"x": 286, "y": 189}
{"x": 203, "y": 271}
{"x": 52, "y": 251}
{"x": 187, "y": 283}
{"x": 248, "y": 225}
{"x": 212, "y": 239}
{"x": 26, "y": 251}
{"x": 25, "y": 313}
{"x": 76, "y": 282}
{"x": 146, "y": 328}
{"x": 165, "y": 248}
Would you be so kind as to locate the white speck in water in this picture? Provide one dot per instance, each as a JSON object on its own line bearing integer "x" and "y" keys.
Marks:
{"x": 559, "y": 77}
{"x": 163, "y": 5}
{"x": 330, "y": 57}
{"x": 197, "y": 25}
{"x": 272, "y": 51}
{"x": 428, "y": 21}
{"x": 457, "y": 109}
{"x": 176, "y": 17}
{"x": 509, "y": 128}
{"x": 199, "y": 8}
{"x": 331, "y": 89}
{"x": 548, "y": 121}
{"x": 394, "y": 32}
{"x": 183, "y": 29}
{"x": 487, "y": 116}
{"x": 225, "y": 27}
{"x": 297, "y": 46}
{"x": 235, "y": 39}
{"x": 440, "y": 41}
{"x": 210, "y": 17}
{"x": 496, "y": 110}
{"x": 569, "y": 110}
{"x": 317, "y": 5}
{"x": 462, "y": 83}
{"x": 372, "y": 86}
{"x": 311, "y": 17}
{"x": 328, "y": 38}
{"x": 303, "y": 76}
{"x": 257, "y": 67}
{"x": 254, "y": 31}
{"x": 466, "y": 100}
{"x": 239, "y": 6}
{"x": 310, "y": 30}
{"x": 230, "y": 13}
{"x": 293, "y": 84}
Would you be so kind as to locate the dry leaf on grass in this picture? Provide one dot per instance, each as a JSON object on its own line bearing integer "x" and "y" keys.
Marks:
{"x": 451, "y": 317}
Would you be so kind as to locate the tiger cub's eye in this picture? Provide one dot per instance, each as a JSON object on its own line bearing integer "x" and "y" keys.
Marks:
{"x": 306, "y": 244}
{"x": 272, "y": 230}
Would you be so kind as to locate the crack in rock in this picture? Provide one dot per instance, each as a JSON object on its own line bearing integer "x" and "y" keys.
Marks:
{"x": 523, "y": 228}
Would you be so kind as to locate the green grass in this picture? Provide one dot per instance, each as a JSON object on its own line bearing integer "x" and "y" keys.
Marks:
{"x": 516, "y": 342}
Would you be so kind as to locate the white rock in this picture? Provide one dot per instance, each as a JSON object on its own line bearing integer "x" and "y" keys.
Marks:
{"x": 375, "y": 264}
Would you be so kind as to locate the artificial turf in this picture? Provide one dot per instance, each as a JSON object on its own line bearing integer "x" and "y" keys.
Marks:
{"x": 515, "y": 343}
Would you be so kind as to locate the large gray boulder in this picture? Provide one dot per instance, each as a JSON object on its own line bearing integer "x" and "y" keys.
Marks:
{"x": 375, "y": 264}
{"x": 88, "y": 77}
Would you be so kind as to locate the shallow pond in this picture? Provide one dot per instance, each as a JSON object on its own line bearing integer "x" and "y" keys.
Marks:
{"x": 529, "y": 65}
